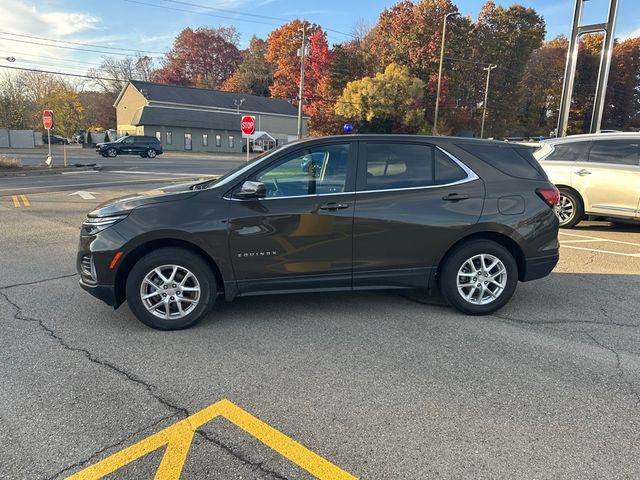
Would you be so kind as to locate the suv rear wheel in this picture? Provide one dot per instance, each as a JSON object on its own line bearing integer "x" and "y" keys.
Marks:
{"x": 569, "y": 210}
{"x": 170, "y": 289}
{"x": 478, "y": 277}
{"x": 151, "y": 153}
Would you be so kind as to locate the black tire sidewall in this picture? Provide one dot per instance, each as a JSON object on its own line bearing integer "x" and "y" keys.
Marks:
{"x": 578, "y": 208}
{"x": 176, "y": 256}
{"x": 152, "y": 152}
{"x": 447, "y": 278}
{"x": 110, "y": 151}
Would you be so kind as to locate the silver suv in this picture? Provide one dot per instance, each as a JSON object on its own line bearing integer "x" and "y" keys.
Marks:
{"x": 597, "y": 174}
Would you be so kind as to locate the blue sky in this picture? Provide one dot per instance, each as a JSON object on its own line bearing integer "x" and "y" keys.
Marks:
{"x": 131, "y": 24}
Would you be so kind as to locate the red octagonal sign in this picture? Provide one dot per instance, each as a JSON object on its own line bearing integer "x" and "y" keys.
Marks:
{"x": 47, "y": 119}
{"x": 248, "y": 124}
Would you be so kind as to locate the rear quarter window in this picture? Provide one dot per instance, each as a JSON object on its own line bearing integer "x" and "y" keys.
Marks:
{"x": 515, "y": 161}
{"x": 569, "y": 152}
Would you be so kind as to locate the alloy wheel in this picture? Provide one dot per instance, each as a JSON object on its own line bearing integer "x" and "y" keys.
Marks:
{"x": 151, "y": 153}
{"x": 481, "y": 279}
{"x": 565, "y": 210}
{"x": 170, "y": 292}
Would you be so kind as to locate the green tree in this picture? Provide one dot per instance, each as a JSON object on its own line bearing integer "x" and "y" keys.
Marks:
{"x": 13, "y": 103}
{"x": 390, "y": 102}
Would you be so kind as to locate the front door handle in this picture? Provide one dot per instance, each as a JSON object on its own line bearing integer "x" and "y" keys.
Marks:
{"x": 334, "y": 206}
{"x": 454, "y": 197}
{"x": 583, "y": 172}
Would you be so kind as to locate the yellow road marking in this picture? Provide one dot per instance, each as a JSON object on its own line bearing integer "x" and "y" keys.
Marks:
{"x": 16, "y": 202}
{"x": 178, "y": 438}
{"x": 25, "y": 200}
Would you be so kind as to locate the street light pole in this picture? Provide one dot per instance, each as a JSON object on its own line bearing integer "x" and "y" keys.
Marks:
{"x": 444, "y": 33}
{"x": 301, "y": 91}
{"x": 486, "y": 95}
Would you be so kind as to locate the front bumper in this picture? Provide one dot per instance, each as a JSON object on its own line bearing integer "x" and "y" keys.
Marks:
{"x": 539, "y": 267}
{"x": 106, "y": 293}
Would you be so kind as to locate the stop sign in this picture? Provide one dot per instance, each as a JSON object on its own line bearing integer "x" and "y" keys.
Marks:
{"x": 248, "y": 124}
{"x": 47, "y": 119}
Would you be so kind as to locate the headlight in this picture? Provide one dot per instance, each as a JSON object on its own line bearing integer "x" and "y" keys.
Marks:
{"x": 93, "y": 225}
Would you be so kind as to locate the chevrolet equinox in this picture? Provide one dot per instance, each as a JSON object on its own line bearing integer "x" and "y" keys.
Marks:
{"x": 470, "y": 217}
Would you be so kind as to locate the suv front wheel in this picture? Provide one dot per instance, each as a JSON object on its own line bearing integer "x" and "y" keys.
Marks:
{"x": 478, "y": 277}
{"x": 170, "y": 289}
{"x": 151, "y": 153}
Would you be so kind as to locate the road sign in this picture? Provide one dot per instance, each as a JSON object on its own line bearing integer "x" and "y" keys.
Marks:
{"x": 248, "y": 124}
{"x": 47, "y": 119}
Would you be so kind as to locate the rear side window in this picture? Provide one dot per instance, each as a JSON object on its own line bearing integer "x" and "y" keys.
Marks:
{"x": 514, "y": 161}
{"x": 569, "y": 152}
{"x": 406, "y": 165}
{"x": 621, "y": 152}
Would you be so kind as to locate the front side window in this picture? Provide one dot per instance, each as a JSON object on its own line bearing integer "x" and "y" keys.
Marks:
{"x": 205, "y": 139}
{"x": 620, "y": 152}
{"x": 129, "y": 140}
{"x": 169, "y": 138}
{"x": 313, "y": 171}
{"x": 231, "y": 142}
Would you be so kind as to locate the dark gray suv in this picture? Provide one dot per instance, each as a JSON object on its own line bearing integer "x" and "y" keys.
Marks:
{"x": 142, "y": 145}
{"x": 339, "y": 213}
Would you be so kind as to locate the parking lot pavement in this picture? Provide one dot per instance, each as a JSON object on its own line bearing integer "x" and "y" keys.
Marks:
{"x": 377, "y": 384}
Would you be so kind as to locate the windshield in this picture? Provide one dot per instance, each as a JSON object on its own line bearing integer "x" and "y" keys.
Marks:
{"x": 121, "y": 139}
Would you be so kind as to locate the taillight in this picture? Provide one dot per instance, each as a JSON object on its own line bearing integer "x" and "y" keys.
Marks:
{"x": 551, "y": 196}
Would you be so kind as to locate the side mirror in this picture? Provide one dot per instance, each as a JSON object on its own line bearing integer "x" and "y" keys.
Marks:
{"x": 252, "y": 190}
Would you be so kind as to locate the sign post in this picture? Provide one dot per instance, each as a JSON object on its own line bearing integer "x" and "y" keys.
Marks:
{"x": 47, "y": 123}
{"x": 248, "y": 126}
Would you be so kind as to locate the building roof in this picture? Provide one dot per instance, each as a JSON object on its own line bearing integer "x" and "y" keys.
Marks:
{"x": 178, "y": 117}
{"x": 204, "y": 98}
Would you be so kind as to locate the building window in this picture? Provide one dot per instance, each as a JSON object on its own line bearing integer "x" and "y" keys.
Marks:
{"x": 159, "y": 136}
{"x": 205, "y": 139}
{"x": 230, "y": 141}
{"x": 218, "y": 141}
{"x": 169, "y": 139}
{"x": 187, "y": 141}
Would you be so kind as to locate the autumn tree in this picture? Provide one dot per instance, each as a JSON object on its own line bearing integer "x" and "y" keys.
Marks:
{"x": 205, "y": 58}
{"x": 254, "y": 75}
{"x": 624, "y": 87}
{"x": 389, "y": 102}
{"x": 99, "y": 113}
{"x": 67, "y": 108}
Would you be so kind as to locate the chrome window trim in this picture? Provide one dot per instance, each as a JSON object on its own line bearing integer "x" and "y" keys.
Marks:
{"x": 471, "y": 176}
{"x": 621, "y": 209}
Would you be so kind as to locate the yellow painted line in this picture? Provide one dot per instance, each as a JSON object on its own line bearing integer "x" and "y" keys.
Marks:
{"x": 16, "y": 202}
{"x": 178, "y": 438}
{"x": 25, "y": 201}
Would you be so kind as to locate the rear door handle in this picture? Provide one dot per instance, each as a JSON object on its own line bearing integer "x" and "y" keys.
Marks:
{"x": 454, "y": 197}
{"x": 583, "y": 172}
{"x": 334, "y": 206}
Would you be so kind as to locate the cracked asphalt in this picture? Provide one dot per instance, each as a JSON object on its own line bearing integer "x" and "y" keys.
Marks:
{"x": 384, "y": 385}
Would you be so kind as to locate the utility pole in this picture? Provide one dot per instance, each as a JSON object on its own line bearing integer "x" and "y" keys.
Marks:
{"x": 486, "y": 95}
{"x": 444, "y": 33}
{"x": 301, "y": 92}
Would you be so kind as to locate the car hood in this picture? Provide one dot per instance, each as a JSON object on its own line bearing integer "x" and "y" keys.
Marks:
{"x": 127, "y": 203}
{"x": 105, "y": 144}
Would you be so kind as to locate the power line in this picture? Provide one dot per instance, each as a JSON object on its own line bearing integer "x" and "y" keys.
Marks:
{"x": 21, "y": 54}
{"x": 67, "y": 48}
{"x": 233, "y": 12}
{"x": 62, "y": 73}
{"x": 78, "y": 43}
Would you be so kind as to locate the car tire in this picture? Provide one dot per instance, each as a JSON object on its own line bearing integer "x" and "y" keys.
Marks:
{"x": 166, "y": 306}
{"x": 472, "y": 283}
{"x": 151, "y": 153}
{"x": 112, "y": 152}
{"x": 570, "y": 209}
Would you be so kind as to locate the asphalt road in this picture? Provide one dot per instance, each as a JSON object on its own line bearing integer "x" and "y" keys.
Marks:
{"x": 380, "y": 384}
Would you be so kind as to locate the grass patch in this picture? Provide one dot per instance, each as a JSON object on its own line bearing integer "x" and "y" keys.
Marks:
{"x": 7, "y": 163}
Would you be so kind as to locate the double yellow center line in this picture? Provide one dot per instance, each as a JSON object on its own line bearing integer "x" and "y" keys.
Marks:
{"x": 16, "y": 201}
